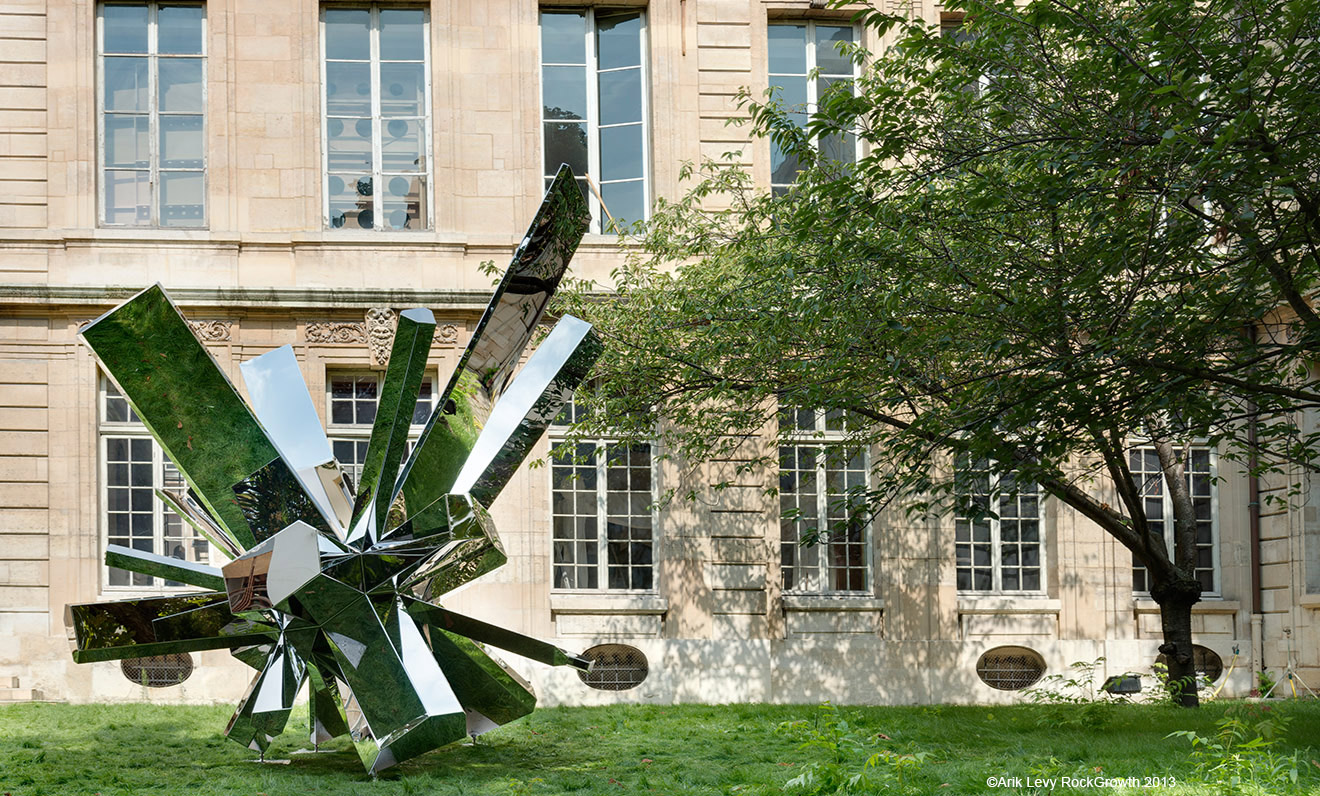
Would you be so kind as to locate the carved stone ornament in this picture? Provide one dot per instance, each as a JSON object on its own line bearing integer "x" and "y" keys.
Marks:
{"x": 447, "y": 334}
{"x": 212, "y": 331}
{"x": 336, "y": 332}
{"x": 380, "y": 334}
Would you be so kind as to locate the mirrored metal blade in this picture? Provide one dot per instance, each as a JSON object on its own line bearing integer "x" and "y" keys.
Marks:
{"x": 501, "y": 335}
{"x": 185, "y": 399}
{"x": 394, "y": 413}
{"x": 541, "y": 389}
{"x": 125, "y": 628}
{"x": 491, "y": 693}
{"x": 326, "y": 713}
{"x": 474, "y": 550}
{"x": 193, "y": 513}
{"x": 273, "y": 498}
{"x": 265, "y": 708}
{"x": 164, "y": 567}
{"x": 284, "y": 407}
{"x": 535, "y": 649}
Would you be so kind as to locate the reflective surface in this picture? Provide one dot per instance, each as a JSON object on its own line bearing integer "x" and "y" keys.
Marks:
{"x": 323, "y": 586}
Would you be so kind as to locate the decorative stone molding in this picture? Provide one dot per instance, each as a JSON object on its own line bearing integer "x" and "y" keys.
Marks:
{"x": 380, "y": 333}
{"x": 212, "y": 331}
{"x": 447, "y": 334}
{"x": 336, "y": 332}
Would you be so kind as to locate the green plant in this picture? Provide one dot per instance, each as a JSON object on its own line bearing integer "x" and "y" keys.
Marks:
{"x": 1239, "y": 757}
{"x": 843, "y": 745}
{"x": 1265, "y": 682}
{"x": 1074, "y": 698}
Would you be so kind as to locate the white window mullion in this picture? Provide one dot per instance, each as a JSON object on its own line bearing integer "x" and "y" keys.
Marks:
{"x": 153, "y": 113}
{"x": 377, "y": 122}
{"x": 593, "y": 124}
{"x": 602, "y": 518}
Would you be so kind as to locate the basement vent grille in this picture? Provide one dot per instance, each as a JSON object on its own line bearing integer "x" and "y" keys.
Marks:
{"x": 1010, "y": 668}
{"x": 615, "y": 667}
{"x": 1205, "y": 661}
{"x": 158, "y": 671}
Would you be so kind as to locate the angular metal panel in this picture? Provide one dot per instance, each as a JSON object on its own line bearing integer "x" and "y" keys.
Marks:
{"x": 394, "y": 413}
{"x": 185, "y": 399}
{"x": 164, "y": 567}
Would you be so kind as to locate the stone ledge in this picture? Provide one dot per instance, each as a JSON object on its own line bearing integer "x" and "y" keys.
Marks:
{"x": 998, "y": 604}
{"x": 1147, "y": 606}
{"x": 831, "y": 602}
{"x": 636, "y": 604}
{"x": 1311, "y": 601}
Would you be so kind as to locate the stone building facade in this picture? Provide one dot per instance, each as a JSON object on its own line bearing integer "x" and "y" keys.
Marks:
{"x": 298, "y": 173}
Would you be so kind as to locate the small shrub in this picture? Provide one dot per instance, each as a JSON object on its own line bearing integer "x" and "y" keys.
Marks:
{"x": 1239, "y": 757}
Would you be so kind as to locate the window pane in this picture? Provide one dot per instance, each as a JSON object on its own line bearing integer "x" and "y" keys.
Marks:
{"x": 788, "y": 49}
{"x": 126, "y": 141}
{"x": 828, "y": 58}
{"x": 348, "y": 89}
{"x": 125, "y": 28}
{"x": 349, "y": 145}
{"x": 179, "y": 30}
{"x": 563, "y": 37}
{"x": 626, "y": 202}
{"x": 405, "y": 208}
{"x": 401, "y": 89}
{"x": 401, "y": 34}
{"x": 181, "y": 84}
{"x": 618, "y": 40}
{"x": 182, "y": 198}
{"x": 566, "y": 142}
{"x": 621, "y": 96}
{"x": 181, "y": 142}
{"x": 127, "y": 197}
{"x": 350, "y": 199}
{"x": 402, "y": 146}
{"x": 125, "y": 84}
{"x": 621, "y": 152}
{"x": 346, "y": 34}
{"x": 564, "y": 92}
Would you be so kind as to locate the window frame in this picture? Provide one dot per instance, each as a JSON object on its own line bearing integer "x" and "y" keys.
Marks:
{"x": 556, "y": 434}
{"x": 152, "y": 56}
{"x": 812, "y": 86}
{"x": 596, "y": 189}
{"x": 360, "y": 433}
{"x": 822, "y": 438}
{"x": 378, "y": 174}
{"x": 996, "y": 548}
{"x": 133, "y": 429}
{"x": 1168, "y": 518}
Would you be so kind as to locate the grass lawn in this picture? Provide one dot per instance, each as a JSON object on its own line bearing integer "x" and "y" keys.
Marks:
{"x": 691, "y": 749}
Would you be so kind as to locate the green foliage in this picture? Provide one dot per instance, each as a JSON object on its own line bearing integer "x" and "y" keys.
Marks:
{"x": 1240, "y": 757}
{"x": 849, "y": 766}
{"x": 685, "y": 750}
{"x": 1077, "y": 226}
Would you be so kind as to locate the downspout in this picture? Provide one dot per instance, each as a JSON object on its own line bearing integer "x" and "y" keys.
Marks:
{"x": 1253, "y": 534}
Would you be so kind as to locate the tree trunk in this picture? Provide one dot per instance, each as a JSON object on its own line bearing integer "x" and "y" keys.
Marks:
{"x": 1176, "y": 600}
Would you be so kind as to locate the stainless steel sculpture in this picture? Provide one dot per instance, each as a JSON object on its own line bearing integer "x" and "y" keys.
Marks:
{"x": 329, "y": 585}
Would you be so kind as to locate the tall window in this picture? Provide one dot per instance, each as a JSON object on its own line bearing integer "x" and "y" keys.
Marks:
{"x": 377, "y": 118}
{"x": 133, "y": 466}
{"x": 797, "y": 51}
{"x": 352, "y": 398}
{"x": 1144, "y": 463}
{"x": 593, "y": 98}
{"x": 821, "y": 503}
{"x": 598, "y": 485}
{"x": 152, "y": 114}
{"x": 1000, "y": 553}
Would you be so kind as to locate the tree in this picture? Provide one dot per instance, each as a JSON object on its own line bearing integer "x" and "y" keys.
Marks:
{"x": 1074, "y": 227}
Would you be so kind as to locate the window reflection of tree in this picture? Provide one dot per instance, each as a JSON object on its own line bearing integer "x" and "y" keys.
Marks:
{"x": 567, "y": 141}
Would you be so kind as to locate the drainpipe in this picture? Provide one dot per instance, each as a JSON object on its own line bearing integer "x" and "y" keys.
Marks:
{"x": 1253, "y": 533}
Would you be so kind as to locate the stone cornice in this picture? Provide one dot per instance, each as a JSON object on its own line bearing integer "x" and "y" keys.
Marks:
{"x": 249, "y": 298}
